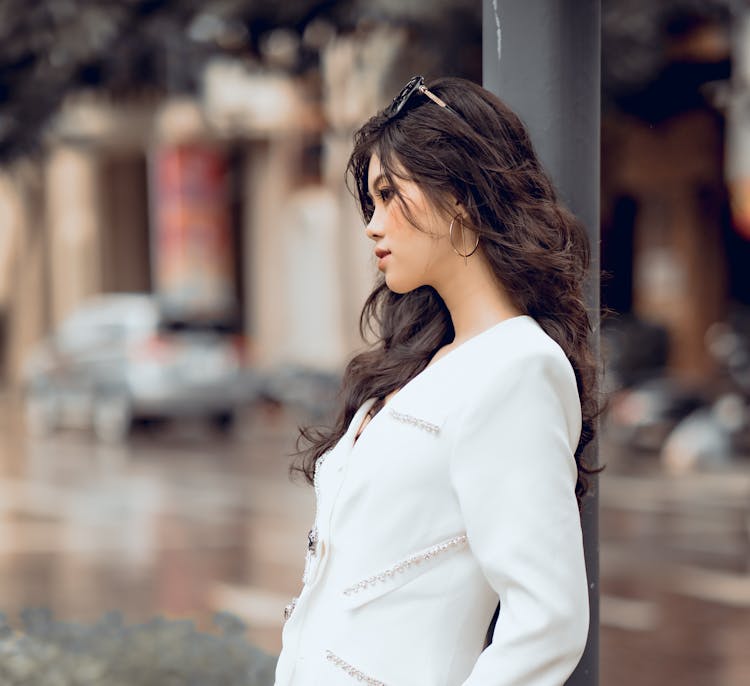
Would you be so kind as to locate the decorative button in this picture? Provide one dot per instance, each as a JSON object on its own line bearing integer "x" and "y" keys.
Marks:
{"x": 288, "y": 609}
{"x": 312, "y": 539}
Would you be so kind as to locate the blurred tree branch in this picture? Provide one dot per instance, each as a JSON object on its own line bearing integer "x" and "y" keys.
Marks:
{"x": 122, "y": 48}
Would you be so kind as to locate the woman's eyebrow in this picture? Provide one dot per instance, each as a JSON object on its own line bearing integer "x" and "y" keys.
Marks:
{"x": 378, "y": 179}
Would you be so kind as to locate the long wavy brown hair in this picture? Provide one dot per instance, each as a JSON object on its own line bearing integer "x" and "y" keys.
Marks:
{"x": 482, "y": 155}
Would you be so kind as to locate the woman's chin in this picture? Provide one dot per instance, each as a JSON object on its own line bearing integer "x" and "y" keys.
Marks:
{"x": 399, "y": 288}
{"x": 398, "y": 285}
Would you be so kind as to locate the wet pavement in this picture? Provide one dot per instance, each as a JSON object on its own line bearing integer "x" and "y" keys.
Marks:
{"x": 180, "y": 522}
{"x": 183, "y": 522}
{"x": 675, "y": 572}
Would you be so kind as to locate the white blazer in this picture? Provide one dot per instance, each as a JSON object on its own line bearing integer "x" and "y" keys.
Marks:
{"x": 459, "y": 492}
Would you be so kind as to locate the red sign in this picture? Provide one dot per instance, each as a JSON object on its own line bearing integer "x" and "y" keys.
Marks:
{"x": 193, "y": 265}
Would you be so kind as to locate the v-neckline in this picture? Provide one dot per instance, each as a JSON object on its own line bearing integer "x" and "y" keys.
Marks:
{"x": 360, "y": 430}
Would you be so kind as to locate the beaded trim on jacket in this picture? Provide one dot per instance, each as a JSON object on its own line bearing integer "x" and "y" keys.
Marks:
{"x": 352, "y": 671}
{"x": 456, "y": 541}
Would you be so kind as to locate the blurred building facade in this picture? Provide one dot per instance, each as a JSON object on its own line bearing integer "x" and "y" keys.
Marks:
{"x": 273, "y": 245}
{"x": 672, "y": 252}
{"x": 216, "y": 178}
{"x": 230, "y": 206}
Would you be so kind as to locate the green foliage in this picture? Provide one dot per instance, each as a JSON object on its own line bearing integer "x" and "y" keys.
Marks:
{"x": 161, "y": 652}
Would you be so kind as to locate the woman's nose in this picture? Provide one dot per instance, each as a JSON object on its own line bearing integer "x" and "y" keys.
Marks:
{"x": 374, "y": 229}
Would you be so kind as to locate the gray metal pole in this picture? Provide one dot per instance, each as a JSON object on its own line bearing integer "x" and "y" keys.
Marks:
{"x": 542, "y": 58}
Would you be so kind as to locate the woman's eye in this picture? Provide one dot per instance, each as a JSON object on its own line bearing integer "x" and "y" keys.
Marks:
{"x": 384, "y": 194}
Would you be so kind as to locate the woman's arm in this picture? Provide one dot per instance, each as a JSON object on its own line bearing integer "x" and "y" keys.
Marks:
{"x": 514, "y": 474}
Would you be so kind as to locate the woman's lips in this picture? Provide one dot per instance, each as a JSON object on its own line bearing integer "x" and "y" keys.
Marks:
{"x": 382, "y": 255}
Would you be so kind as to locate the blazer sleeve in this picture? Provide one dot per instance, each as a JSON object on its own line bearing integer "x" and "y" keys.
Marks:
{"x": 514, "y": 474}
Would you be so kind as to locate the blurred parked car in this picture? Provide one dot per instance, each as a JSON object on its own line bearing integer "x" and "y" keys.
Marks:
{"x": 642, "y": 416}
{"x": 719, "y": 431}
{"x": 115, "y": 360}
{"x": 645, "y": 403}
{"x": 688, "y": 425}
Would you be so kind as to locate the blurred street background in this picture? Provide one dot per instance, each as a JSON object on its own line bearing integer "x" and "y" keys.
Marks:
{"x": 181, "y": 275}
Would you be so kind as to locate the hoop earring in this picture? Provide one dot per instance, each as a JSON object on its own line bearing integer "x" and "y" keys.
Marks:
{"x": 465, "y": 255}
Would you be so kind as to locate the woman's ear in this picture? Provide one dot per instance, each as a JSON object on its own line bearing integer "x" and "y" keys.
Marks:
{"x": 460, "y": 209}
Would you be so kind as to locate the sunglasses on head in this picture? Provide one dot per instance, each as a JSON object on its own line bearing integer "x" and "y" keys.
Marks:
{"x": 414, "y": 85}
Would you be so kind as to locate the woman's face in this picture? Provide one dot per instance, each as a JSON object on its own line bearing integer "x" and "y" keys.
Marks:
{"x": 409, "y": 257}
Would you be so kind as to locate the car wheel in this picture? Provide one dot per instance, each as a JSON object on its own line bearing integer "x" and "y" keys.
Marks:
{"x": 223, "y": 421}
{"x": 112, "y": 418}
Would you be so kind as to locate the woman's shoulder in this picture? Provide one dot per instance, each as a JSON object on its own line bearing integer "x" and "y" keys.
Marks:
{"x": 514, "y": 343}
{"x": 514, "y": 351}
{"x": 516, "y": 355}
{"x": 517, "y": 372}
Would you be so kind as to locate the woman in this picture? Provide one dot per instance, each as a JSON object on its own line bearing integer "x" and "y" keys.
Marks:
{"x": 452, "y": 479}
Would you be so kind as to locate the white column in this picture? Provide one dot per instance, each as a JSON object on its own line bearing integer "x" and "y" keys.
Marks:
{"x": 311, "y": 262}
{"x": 72, "y": 209}
{"x": 269, "y": 175}
{"x": 23, "y": 265}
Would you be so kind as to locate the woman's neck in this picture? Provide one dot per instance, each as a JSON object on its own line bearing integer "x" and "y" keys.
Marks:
{"x": 475, "y": 300}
